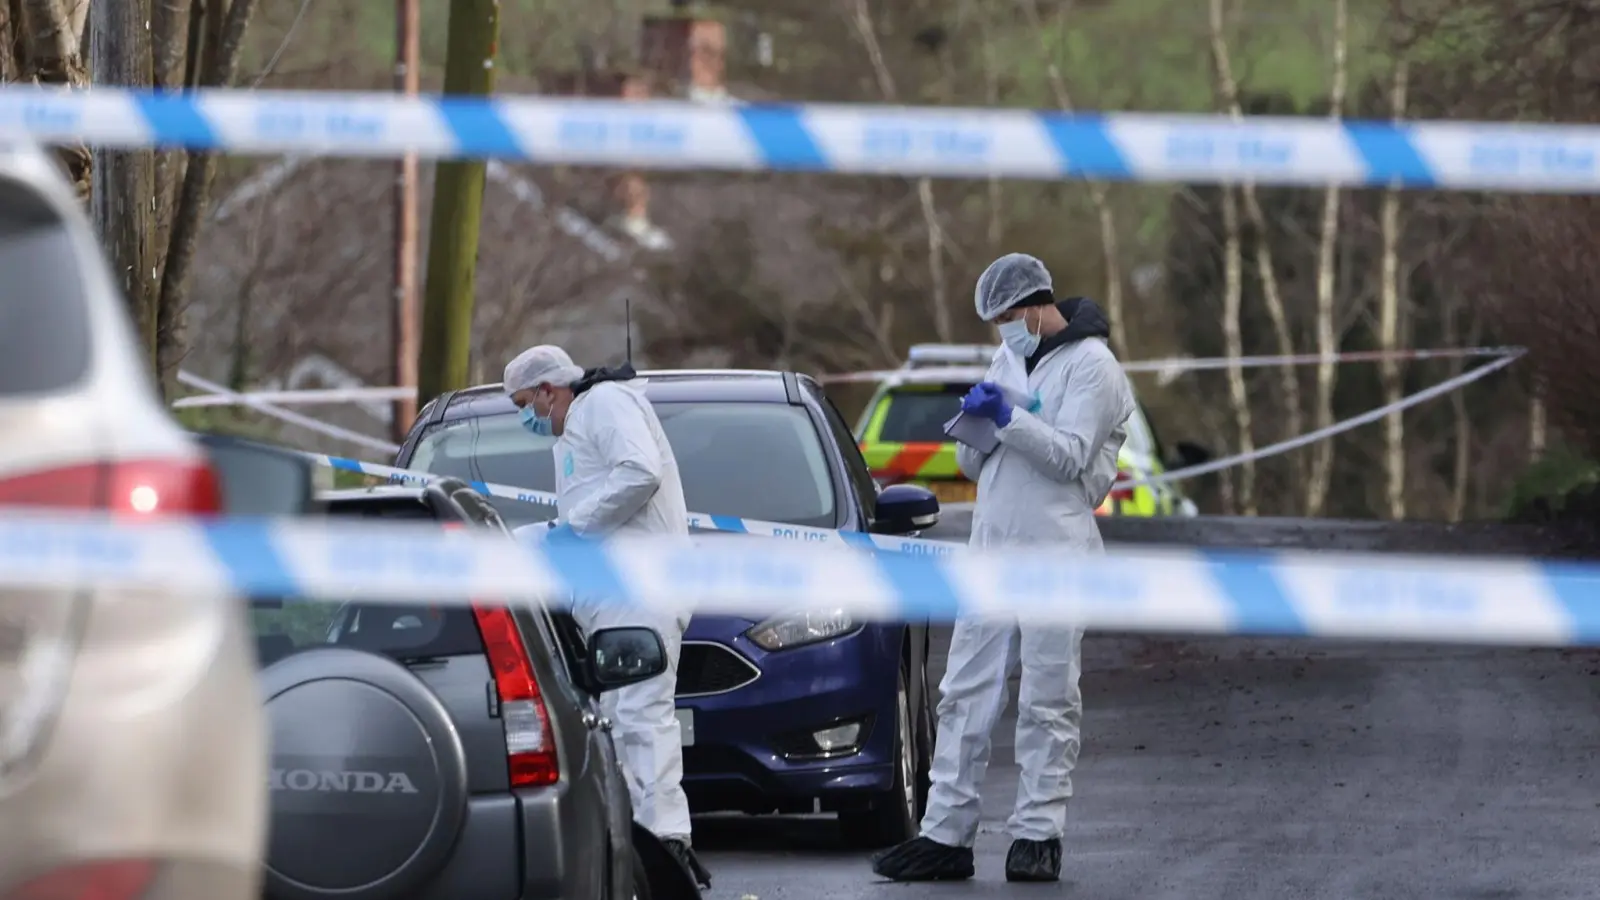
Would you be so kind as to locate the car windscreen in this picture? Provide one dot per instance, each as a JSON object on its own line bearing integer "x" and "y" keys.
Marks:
{"x": 406, "y": 633}
{"x": 918, "y": 415}
{"x": 752, "y": 460}
{"x": 44, "y": 313}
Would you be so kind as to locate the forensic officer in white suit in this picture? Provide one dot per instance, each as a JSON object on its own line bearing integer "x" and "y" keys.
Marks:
{"x": 1060, "y": 404}
{"x": 616, "y": 475}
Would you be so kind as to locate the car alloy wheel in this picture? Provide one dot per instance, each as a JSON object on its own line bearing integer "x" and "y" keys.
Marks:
{"x": 893, "y": 815}
{"x": 908, "y": 752}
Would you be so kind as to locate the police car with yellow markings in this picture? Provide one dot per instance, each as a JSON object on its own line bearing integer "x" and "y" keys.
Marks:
{"x": 901, "y": 433}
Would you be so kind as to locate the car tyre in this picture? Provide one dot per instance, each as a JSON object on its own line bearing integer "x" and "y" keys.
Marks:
{"x": 896, "y": 815}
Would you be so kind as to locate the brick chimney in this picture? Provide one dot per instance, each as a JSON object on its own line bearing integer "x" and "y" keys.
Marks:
{"x": 630, "y": 191}
{"x": 687, "y": 52}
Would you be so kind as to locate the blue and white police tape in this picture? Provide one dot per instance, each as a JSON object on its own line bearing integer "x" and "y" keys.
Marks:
{"x": 1324, "y": 595}
{"x": 697, "y": 521}
{"x": 883, "y": 140}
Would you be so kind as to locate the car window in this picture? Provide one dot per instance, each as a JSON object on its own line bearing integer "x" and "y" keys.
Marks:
{"x": 753, "y": 460}
{"x": 258, "y": 481}
{"x": 918, "y": 416}
{"x": 856, "y": 467}
{"x": 402, "y": 632}
{"x": 44, "y": 316}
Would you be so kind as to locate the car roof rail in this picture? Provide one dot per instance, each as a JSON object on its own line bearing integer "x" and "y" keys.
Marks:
{"x": 791, "y": 389}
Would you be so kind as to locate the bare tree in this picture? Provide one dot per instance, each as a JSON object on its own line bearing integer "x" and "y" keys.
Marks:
{"x": 1232, "y": 296}
{"x": 1110, "y": 253}
{"x": 1228, "y": 86}
{"x": 1394, "y": 456}
{"x": 995, "y": 230}
{"x": 122, "y": 203}
{"x": 1327, "y": 339}
{"x": 861, "y": 18}
{"x": 1461, "y": 464}
{"x": 45, "y": 47}
{"x": 225, "y": 24}
{"x": 150, "y": 233}
{"x": 10, "y": 45}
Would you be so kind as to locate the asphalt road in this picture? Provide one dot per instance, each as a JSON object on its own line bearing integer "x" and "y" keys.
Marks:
{"x": 1224, "y": 768}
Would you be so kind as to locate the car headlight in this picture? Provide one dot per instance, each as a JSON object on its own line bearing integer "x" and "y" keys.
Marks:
{"x": 799, "y": 629}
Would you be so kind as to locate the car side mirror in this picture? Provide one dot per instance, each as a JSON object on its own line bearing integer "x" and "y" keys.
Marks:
{"x": 905, "y": 508}
{"x": 619, "y": 657}
{"x": 259, "y": 479}
{"x": 1190, "y": 455}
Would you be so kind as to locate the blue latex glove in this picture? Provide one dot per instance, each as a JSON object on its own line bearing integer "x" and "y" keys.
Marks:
{"x": 562, "y": 534}
{"x": 987, "y": 401}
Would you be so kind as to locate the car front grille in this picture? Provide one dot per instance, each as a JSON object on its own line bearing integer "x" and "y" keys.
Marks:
{"x": 708, "y": 668}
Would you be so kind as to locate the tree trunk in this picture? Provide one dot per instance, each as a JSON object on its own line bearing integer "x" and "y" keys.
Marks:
{"x": 1537, "y": 425}
{"x": 1327, "y": 339}
{"x": 1461, "y": 475}
{"x": 1394, "y": 456}
{"x": 1233, "y": 294}
{"x": 124, "y": 180}
{"x": 169, "y": 39}
{"x": 225, "y": 27}
{"x": 10, "y": 28}
{"x": 48, "y": 37}
{"x": 1265, "y": 269}
{"x": 457, "y": 211}
{"x": 995, "y": 232}
{"x": 1110, "y": 254}
{"x": 940, "y": 289}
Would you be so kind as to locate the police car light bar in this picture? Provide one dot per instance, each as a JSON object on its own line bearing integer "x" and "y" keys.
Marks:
{"x": 940, "y": 375}
{"x": 950, "y": 355}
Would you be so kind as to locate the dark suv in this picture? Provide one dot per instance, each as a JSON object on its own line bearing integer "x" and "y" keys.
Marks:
{"x": 449, "y": 751}
{"x": 817, "y": 710}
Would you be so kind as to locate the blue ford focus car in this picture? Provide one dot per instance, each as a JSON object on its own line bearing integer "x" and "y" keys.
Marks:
{"x": 806, "y": 712}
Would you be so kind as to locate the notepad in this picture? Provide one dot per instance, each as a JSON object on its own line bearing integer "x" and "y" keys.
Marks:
{"x": 978, "y": 433}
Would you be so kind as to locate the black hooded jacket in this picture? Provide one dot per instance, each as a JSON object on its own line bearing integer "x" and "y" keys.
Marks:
{"x": 598, "y": 374}
{"x": 1084, "y": 320}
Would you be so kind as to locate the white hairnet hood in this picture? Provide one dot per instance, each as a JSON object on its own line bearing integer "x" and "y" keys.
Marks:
{"x": 1007, "y": 281}
{"x": 544, "y": 364}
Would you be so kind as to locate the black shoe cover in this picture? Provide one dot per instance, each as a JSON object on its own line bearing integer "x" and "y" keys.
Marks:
{"x": 684, "y": 854}
{"x": 923, "y": 859}
{"x": 1034, "y": 861}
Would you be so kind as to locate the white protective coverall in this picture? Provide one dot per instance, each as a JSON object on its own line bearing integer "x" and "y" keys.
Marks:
{"x": 616, "y": 475}
{"x": 1039, "y": 486}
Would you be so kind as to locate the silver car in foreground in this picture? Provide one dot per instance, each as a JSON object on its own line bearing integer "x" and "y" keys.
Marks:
{"x": 132, "y": 750}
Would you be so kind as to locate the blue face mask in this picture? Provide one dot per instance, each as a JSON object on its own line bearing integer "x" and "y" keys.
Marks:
{"x": 537, "y": 425}
{"x": 1022, "y": 341}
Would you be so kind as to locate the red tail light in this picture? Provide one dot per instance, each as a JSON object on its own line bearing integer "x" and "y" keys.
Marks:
{"x": 135, "y": 487}
{"x": 530, "y": 744}
{"x": 121, "y": 879}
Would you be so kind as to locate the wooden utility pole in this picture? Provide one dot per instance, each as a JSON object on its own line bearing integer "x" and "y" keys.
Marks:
{"x": 457, "y": 211}
{"x": 404, "y": 335}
